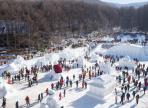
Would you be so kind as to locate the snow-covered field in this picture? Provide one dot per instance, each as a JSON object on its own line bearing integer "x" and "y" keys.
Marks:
{"x": 100, "y": 92}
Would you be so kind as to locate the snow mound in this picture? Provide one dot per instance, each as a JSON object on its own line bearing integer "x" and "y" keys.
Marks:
{"x": 52, "y": 58}
{"x": 125, "y": 38}
{"x": 16, "y": 65}
{"x": 126, "y": 49}
{"x": 3, "y": 68}
{"x": 49, "y": 102}
{"x": 93, "y": 58}
{"x": 126, "y": 62}
{"x": 70, "y": 54}
{"x": 80, "y": 62}
{"x": 13, "y": 67}
{"x": 107, "y": 39}
{"x": 54, "y": 76}
{"x": 105, "y": 67}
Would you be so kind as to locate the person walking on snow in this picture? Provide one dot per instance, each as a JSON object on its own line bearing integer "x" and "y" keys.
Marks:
{"x": 73, "y": 76}
{"x": 137, "y": 98}
{"x": 27, "y": 101}
{"x": 85, "y": 85}
{"x": 139, "y": 85}
{"x": 70, "y": 83}
{"x": 47, "y": 92}
{"x": 116, "y": 99}
{"x": 144, "y": 89}
{"x": 39, "y": 98}
{"x": 60, "y": 96}
{"x": 52, "y": 86}
{"x": 133, "y": 94}
{"x": 127, "y": 96}
{"x": 128, "y": 87}
{"x": 4, "y": 103}
{"x": 82, "y": 84}
{"x": 77, "y": 82}
{"x": 17, "y": 104}
{"x": 115, "y": 91}
{"x": 64, "y": 92}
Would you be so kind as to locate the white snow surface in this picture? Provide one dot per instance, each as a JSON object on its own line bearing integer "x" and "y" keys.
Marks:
{"x": 126, "y": 62}
{"x": 49, "y": 102}
{"x": 131, "y": 50}
{"x": 75, "y": 97}
{"x": 2, "y": 89}
{"x": 68, "y": 54}
{"x": 125, "y": 38}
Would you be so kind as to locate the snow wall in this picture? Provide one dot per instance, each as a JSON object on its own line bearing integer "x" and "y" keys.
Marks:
{"x": 126, "y": 49}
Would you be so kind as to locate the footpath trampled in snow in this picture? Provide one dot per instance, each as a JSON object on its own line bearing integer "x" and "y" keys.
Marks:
{"x": 100, "y": 91}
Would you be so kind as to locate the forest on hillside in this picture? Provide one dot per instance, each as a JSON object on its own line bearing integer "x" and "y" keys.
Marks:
{"x": 61, "y": 16}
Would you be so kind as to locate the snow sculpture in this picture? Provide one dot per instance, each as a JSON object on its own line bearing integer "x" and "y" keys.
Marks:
{"x": 126, "y": 62}
{"x": 49, "y": 101}
{"x": 79, "y": 63}
{"x": 101, "y": 87}
{"x": 105, "y": 67}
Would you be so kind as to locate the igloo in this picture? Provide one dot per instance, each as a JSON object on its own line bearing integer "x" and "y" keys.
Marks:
{"x": 101, "y": 87}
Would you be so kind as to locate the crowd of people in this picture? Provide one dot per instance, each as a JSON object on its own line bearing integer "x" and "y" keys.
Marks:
{"x": 130, "y": 83}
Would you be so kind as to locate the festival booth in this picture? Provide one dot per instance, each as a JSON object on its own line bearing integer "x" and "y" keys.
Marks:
{"x": 101, "y": 87}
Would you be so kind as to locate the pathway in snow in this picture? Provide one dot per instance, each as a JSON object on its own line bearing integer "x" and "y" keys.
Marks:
{"x": 75, "y": 98}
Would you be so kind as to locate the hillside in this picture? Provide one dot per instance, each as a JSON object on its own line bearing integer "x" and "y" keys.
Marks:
{"x": 53, "y": 18}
